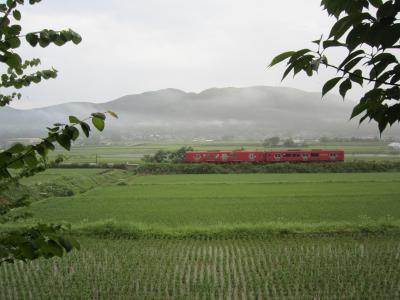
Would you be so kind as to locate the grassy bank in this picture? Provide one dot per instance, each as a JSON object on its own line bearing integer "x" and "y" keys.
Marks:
{"x": 230, "y": 206}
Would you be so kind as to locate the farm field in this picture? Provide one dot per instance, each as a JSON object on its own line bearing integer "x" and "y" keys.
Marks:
{"x": 219, "y": 236}
{"x": 133, "y": 153}
{"x": 229, "y": 204}
{"x": 346, "y": 267}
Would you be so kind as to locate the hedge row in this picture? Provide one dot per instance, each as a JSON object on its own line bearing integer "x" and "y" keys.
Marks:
{"x": 89, "y": 166}
{"x": 209, "y": 168}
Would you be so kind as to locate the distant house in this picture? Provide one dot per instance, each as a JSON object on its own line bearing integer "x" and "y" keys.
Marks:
{"x": 394, "y": 146}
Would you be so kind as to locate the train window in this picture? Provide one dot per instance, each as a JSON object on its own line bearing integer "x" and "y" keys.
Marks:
{"x": 333, "y": 154}
{"x": 216, "y": 156}
{"x": 314, "y": 154}
{"x": 252, "y": 156}
{"x": 224, "y": 156}
{"x": 277, "y": 155}
{"x": 197, "y": 156}
{"x": 305, "y": 154}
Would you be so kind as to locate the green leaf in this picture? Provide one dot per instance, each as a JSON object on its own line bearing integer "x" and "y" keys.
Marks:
{"x": 65, "y": 243}
{"x": 287, "y": 71}
{"x": 98, "y": 123}
{"x": 53, "y": 129}
{"x": 379, "y": 68}
{"x": 44, "y": 42}
{"x": 14, "y": 30}
{"x": 5, "y": 157}
{"x": 358, "y": 109}
{"x": 344, "y": 87}
{"x": 76, "y": 38}
{"x": 13, "y": 60}
{"x": 298, "y": 54}
{"x": 386, "y": 57}
{"x": 356, "y": 76}
{"x": 73, "y": 119}
{"x": 99, "y": 115}
{"x": 351, "y": 64}
{"x": 357, "y": 36}
{"x": 330, "y": 84}
{"x": 74, "y": 133}
{"x": 332, "y": 43}
{"x": 54, "y": 249}
{"x": 382, "y": 124}
{"x": 59, "y": 41}
{"x": 17, "y": 15}
{"x": 11, "y": 3}
{"x": 343, "y": 24}
{"x": 382, "y": 79}
{"x": 281, "y": 57}
{"x": 42, "y": 150}
{"x": 17, "y": 148}
{"x": 18, "y": 163}
{"x": 340, "y": 27}
{"x": 14, "y": 42}
{"x": 376, "y": 3}
{"x": 32, "y": 39}
{"x": 31, "y": 160}
{"x": 395, "y": 78}
{"x": 85, "y": 128}
{"x": 113, "y": 114}
{"x": 75, "y": 244}
{"x": 350, "y": 57}
{"x": 64, "y": 141}
{"x": 49, "y": 145}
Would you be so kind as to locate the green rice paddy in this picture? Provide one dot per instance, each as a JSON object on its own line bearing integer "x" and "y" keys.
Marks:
{"x": 228, "y": 236}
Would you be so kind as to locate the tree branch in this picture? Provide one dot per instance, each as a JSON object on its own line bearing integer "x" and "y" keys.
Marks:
{"x": 12, "y": 6}
{"x": 359, "y": 76}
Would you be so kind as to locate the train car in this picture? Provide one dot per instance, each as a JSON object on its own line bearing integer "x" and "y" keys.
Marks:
{"x": 209, "y": 156}
{"x": 297, "y": 155}
{"x": 255, "y": 156}
{"x": 274, "y": 156}
{"x": 326, "y": 155}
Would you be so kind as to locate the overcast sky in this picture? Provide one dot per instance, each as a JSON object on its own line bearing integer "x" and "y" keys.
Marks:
{"x": 132, "y": 46}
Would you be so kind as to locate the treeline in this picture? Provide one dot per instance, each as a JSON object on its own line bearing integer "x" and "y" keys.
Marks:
{"x": 235, "y": 168}
{"x": 164, "y": 156}
{"x": 276, "y": 141}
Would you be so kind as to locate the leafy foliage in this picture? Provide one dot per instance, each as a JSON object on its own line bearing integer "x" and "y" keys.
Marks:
{"x": 39, "y": 241}
{"x": 210, "y": 168}
{"x": 370, "y": 32}
{"x": 271, "y": 142}
{"x": 163, "y": 156}
{"x": 26, "y": 160}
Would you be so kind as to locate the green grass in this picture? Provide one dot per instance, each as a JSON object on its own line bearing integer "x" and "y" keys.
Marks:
{"x": 231, "y": 236}
{"x": 182, "y": 205}
{"x": 361, "y": 267}
{"x": 55, "y": 182}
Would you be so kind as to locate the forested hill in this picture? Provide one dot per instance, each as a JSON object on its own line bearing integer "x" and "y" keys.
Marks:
{"x": 252, "y": 112}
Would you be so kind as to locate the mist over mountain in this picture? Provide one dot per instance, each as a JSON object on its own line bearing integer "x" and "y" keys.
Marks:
{"x": 251, "y": 112}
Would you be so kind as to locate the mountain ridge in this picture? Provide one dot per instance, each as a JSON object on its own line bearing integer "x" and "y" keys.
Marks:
{"x": 249, "y": 112}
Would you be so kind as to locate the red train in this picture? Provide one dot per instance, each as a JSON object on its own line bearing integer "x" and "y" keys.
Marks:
{"x": 257, "y": 156}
